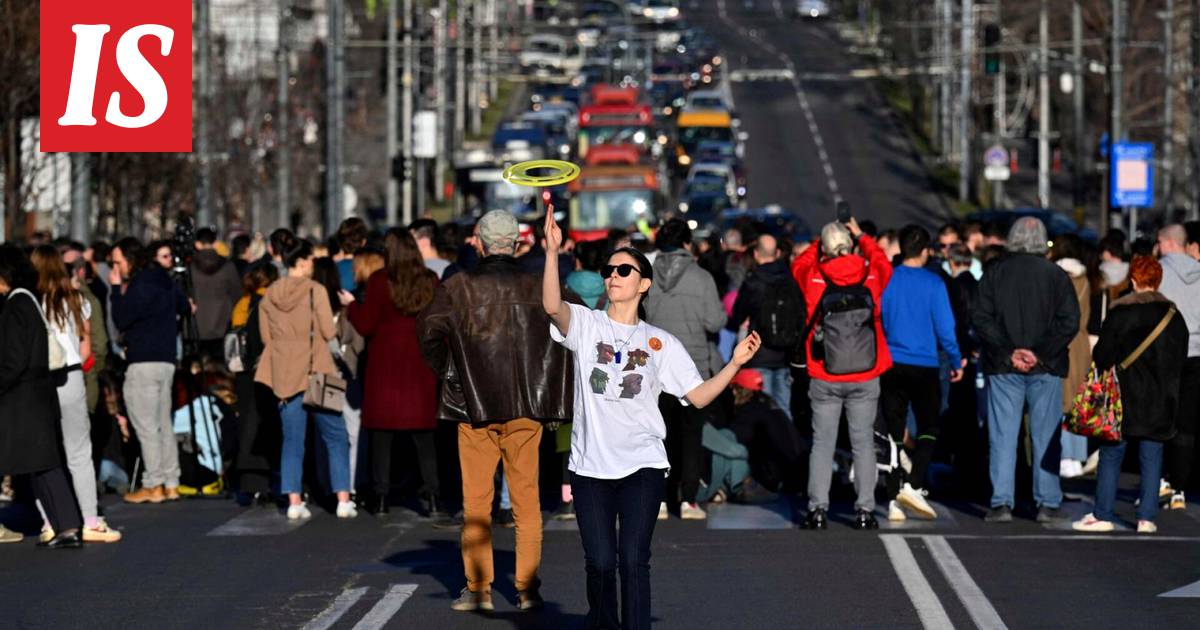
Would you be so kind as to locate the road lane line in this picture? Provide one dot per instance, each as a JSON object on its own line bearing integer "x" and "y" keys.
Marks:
{"x": 929, "y": 607}
{"x": 977, "y": 604}
{"x": 1065, "y": 537}
{"x": 386, "y": 608}
{"x": 340, "y": 605}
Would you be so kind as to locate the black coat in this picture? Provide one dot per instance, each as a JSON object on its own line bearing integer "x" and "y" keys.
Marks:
{"x": 1026, "y": 302}
{"x": 964, "y": 295}
{"x": 1150, "y": 387}
{"x": 749, "y": 301}
{"x": 29, "y": 414}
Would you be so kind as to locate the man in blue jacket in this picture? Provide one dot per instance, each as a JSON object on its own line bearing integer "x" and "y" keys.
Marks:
{"x": 917, "y": 320}
{"x": 145, "y": 305}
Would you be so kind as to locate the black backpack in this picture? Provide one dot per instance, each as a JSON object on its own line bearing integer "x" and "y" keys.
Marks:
{"x": 844, "y": 337}
{"x": 779, "y": 320}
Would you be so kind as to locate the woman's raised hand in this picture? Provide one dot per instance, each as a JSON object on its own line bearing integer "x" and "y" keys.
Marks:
{"x": 746, "y": 349}
{"x": 554, "y": 235}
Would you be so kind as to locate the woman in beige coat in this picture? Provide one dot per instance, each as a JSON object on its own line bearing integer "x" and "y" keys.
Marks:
{"x": 296, "y": 324}
{"x": 1068, "y": 253}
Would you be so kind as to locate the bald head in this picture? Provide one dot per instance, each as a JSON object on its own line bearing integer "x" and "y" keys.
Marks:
{"x": 766, "y": 250}
{"x": 1172, "y": 239}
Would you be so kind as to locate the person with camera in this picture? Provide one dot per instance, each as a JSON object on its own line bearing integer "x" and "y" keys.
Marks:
{"x": 146, "y": 304}
{"x": 847, "y": 353}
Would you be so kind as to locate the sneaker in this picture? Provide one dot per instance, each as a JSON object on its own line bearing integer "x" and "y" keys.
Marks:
{"x": 1178, "y": 501}
{"x": 504, "y": 518}
{"x": 9, "y": 536}
{"x": 187, "y": 491}
{"x": 895, "y": 514}
{"x": 1070, "y": 469}
{"x": 172, "y": 494}
{"x": 691, "y": 512}
{"x": 1165, "y": 492}
{"x": 213, "y": 489}
{"x": 154, "y": 494}
{"x": 865, "y": 520}
{"x": 101, "y": 533}
{"x": 663, "y": 514}
{"x": 905, "y": 462}
{"x": 914, "y": 501}
{"x": 1090, "y": 523}
{"x": 346, "y": 509}
{"x": 565, "y": 512}
{"x": 298, "y": 512}
{"x": 1147, "y": 527}
{"x": 46, "y": 535}
{"x": 999, "y": 514}
{"x": 452, "y": 522}
{"x": 470, "y": 601}
{"x": 719, "y": 497}
{"x": 530, "y": 600}
{"x": 1046, "y": 514}
{"x": 6, "y": 489}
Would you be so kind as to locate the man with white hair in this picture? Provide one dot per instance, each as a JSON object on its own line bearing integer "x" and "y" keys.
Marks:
{"x": 1026, "y": 317}
{"x": 1181, "y": 285}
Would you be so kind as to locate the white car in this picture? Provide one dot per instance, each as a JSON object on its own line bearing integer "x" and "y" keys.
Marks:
{"x": 707, "y": 100}
{"x": 660, "y": 11}
{"x": 551, "y": 52}
{"x": 716, "y": 169}
{"x": 812, "y": 9}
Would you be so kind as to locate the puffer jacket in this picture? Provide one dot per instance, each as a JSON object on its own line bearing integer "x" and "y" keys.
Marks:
{"x": 684, "y": 302}
{"x": 296, "y": 323}
{"x": 487, "y": 337}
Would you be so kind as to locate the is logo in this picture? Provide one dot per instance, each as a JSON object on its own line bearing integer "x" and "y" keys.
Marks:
{"x": 116, "y": 76}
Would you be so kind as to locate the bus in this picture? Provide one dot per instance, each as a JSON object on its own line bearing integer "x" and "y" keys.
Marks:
{"x": 615, "y": 116}
{"x": 614, "y": 190}
{"x": 694, "y": 127}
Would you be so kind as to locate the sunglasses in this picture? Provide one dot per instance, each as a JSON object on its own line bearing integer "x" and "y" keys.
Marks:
{"x": 622, "y": 270}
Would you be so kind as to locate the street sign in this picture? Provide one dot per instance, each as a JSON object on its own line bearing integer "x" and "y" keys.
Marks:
{"x": 1132, "y": 175}
{"x": 995, "y": 161}
{"x": 425, "y": 134}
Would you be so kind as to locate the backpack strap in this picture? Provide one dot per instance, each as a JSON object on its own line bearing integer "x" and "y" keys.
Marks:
{"x": 1158, "y": 330}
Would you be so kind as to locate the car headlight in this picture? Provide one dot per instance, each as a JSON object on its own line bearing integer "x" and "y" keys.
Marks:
{"x": 667, "y": 111}
{"x": 683, "y": 207}
{"x": 673, "y": 12}
{"x": 741, "y": 191}
{"x": 647, "y": 12}
{"x": 717, "y": 60}
{"x": 564, "y": 149}
{"x": 662, "y": 139}
{"x": 693, "y": 224}
{"x": 684, "y": 160}
{"x": 815, "y": 13}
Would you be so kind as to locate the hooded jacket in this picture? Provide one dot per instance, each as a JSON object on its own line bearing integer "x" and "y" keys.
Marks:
{"x": 683, "y": 301}
{"x": 145, "y": 314}
{"x": 296, "y": 323}
{"x": 588, "y": 285}
{"x": 749, "y": 302}
{"x": 874, "y": 271}
{"x": 1181, "y": 285}
{"x": 1026, "y": 301}
{"x": 216, "y": 287}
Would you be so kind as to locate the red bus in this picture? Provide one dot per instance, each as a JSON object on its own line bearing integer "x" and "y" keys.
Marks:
{"x": 614, "y": 116}
{"x": 614, "y": 190}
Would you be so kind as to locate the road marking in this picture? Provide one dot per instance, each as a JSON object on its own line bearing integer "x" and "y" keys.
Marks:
{"x": 1077, "y": 537}
{"x": 760, "y": 74}
{"x": 929, "y": 607}
{"x": 386, "y": 608}
{"x": 977, "y": 604}
{"x": 773, "y": 515}
{"x": 258, "y": 522}
{"x": 340, "y": 605}
{"x": 1191, "y": 590}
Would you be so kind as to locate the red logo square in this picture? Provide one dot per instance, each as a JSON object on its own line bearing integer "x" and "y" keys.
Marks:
{"x": 116, "y": 76}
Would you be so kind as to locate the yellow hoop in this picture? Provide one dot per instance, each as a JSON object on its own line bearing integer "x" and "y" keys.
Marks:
{"x": 519, "y": 173}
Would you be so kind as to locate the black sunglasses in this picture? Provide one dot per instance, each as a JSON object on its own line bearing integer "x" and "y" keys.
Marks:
{"x": 623, "y": 270}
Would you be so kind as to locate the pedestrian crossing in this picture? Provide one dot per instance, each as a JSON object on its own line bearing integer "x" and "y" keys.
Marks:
{"x": 376, "y": 617}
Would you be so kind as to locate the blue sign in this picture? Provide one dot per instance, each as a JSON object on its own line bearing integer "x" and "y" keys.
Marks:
{"x": 1132, "y": 175}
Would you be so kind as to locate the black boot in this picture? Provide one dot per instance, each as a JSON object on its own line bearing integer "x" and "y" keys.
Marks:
{"x": 433, "y": 507}
{"x": 865, "y": 520}
{"x": 380, "y": 504}
{"x": 816, "y": 520}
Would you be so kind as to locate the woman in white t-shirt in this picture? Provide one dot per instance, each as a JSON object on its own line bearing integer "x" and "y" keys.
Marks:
{"x": 618, "y": 460}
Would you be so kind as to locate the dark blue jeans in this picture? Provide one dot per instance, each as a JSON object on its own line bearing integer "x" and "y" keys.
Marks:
{"x": 599, "y": 503}
{"x": 1150, "y": 458}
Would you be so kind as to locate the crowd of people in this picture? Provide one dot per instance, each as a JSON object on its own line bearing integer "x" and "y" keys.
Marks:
{"x": 620, "y": 380}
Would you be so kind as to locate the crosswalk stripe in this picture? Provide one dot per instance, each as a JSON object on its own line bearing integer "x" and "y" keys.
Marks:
{"x": 929, "y": 608}
{"x": 340, "y": 605}
{"x": 386, "y": 607}
{"x": 977, "y": 604}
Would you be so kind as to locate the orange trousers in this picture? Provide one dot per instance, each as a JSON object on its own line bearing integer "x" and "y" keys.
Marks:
{"x": 479, "y": 450}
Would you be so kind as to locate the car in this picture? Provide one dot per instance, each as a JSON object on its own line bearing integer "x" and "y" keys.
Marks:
{"x": 704, "y": 197}
{"x": 707, "y": 170}
{"x": 1056, "y": 223}
{"x": 659, "y": 11}
{"x": 548, "y": 93}
{"x": 707, "y": 100}
{"x": 812, "y": 9}
{"x": 558, "y": 129}
{"x": 726, "y": 153}
{"x": 543, "y": 53}
{"x": 772, "y": 219}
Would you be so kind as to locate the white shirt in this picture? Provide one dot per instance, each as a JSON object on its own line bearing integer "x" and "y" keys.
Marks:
{"x": 620, "y": 370}
{"x": 66, "y": 334}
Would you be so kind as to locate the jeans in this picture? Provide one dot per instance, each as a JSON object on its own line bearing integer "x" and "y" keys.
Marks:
{"x": 148, "y": 399}
{"x": 861, "y": 403}
{"x": 1007, "y": 397}
{"x": 777, "y": 384}
{"x": 599, "y": 505}
{"x": 1074, "y": 447}
{"x": 333, "y": 434}
{"x": 910, "y": 384}
{"x": 1150, "y": 457}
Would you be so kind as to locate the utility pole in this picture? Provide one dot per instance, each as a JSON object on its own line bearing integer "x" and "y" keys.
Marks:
{"x": 1168, "y": 163}
{"x": 947, "y": 126}
{"x": 1194, "y": 135}
{"x": 1001, "y": 109}
{"x": 81, "y": 195}
{"x": 1043, "y": 107}
{"x": 333, "y": 119}
{"x": 1081, "y": 156}
{"x": 439, "y": 96}
{"x": 283, "y": 167}
{"x": 478, "y": 80}
{"x": 204, "y": 179}
{"x": 393, "y": 96}
{"x": 493, "y": 50}
{"x": 407, "y": 113}
{"x": 968, "y": 43}
{"x": 460, "y": 72}
{"x": 1117, "y": 86}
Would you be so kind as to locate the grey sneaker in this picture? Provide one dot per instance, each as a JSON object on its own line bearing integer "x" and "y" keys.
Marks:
{"x": 999, "y": 514}
{"x": 470, "y": 601}
{"x": 1050, "y": 515}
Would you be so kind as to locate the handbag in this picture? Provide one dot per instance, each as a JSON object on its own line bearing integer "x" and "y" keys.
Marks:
{"x": 1097, "y": 410}
{"x": 324, "y": 392}
{"x": 57, "y": 354}
{"x": 235, "y": 350}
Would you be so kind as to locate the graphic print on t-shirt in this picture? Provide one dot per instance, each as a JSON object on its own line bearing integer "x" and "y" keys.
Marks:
{"x": 598, "y": 381}
{"x": 604, "y": 353}
{"x": 637, "y": 359}
{"x": 631, "y": 385}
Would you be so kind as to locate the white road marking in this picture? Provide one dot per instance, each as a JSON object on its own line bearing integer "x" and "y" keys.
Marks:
{"x": 977, "y": 604}
{"x": 258, "y": 522}
{"x": 929, "y": 607}
{"x": 1191, "y": 590}
{"x": 340, "y": 605}
{"x": 386, "y": 608}
{"x": 778, "y": 9}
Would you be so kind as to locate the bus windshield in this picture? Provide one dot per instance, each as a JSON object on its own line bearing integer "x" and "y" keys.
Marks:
{"x": 689, "y": 137}
{"x": 598, "y": 210}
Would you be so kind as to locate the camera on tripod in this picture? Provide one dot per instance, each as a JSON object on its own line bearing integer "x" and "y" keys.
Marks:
{"x": 183, "y": 245}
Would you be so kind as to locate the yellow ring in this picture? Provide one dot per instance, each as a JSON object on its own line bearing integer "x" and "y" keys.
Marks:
{"x": 519, "y": 173}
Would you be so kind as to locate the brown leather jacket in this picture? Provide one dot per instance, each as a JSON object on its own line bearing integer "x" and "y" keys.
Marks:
{"x": 485, "y": 334}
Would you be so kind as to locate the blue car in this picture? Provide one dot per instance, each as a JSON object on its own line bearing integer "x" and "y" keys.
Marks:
{"x": 1056, "y": 223}
{"x": 773, "y": 220}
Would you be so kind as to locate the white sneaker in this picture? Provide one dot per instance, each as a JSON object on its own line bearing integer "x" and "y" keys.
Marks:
{"x": 1090, "y": 523}
{"x": 1070, "y": 469}
{"x": 1178, "y": 502}
{"x": 1164, "y": 490}
{"x": 915, "y": 501}
{"x": 1147, "y": 527}
{"x": 895, "y": 514}
{"x": 663, "y": 514}
{"x": 298, "y": 512}
{"x": 347, "y": 510}
{"x": 691, "y": 512}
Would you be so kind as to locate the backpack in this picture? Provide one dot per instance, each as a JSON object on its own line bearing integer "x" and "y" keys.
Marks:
{"x": 57, "y": 354}
{"x": 844, "y": 333}
{"x": 778, "y": 320}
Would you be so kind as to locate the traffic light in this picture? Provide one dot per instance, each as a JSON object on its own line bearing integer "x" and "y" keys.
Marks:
{"x": 991, "y": 58}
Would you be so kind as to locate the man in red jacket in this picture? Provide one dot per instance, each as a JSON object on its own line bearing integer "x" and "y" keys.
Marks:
{"x": 835, "y": 260}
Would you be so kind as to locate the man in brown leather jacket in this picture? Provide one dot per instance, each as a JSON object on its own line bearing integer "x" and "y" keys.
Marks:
{"x": 486, "y": 334}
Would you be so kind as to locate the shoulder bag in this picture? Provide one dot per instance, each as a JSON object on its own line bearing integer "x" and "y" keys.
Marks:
{"x": 324, "y": 392}
{"x": 57, "y": 354}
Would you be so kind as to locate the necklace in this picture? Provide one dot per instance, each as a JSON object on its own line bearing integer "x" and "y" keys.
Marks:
{"x": 624, "y": 344}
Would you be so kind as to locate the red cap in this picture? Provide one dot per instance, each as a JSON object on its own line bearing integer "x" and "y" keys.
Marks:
{"x": 750, "y": 379}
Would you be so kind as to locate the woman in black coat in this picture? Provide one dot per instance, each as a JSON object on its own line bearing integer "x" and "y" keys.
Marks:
{"x": 1149, "y": 391}
{"x": 29, "y": 415}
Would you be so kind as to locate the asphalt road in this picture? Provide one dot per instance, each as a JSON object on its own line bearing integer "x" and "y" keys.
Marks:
{"x": 817, "y": 133}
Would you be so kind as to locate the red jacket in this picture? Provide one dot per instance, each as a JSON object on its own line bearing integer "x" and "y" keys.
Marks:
{"x": 845, "y": 270}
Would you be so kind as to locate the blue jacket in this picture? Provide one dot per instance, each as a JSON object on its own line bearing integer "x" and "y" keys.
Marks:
{"x": 917, "y": 318}
{"x": 145, "y": 314}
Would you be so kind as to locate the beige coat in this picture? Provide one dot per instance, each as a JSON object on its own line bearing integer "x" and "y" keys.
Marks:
{"x": 296, "y": 324}
{"x": 1080, "y": 350}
